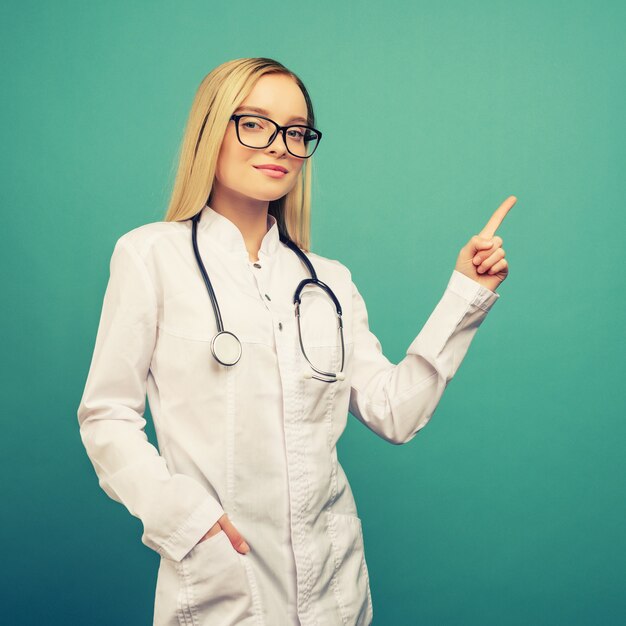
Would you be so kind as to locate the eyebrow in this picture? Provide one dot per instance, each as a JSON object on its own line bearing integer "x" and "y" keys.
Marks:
{"x": 264, "y": 112}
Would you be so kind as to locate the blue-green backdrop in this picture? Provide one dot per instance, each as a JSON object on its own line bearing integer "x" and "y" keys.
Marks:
{"x": 509, "y": 507}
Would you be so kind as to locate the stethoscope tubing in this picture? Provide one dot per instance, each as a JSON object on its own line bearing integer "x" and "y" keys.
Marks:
{"x": 225, "y": 344}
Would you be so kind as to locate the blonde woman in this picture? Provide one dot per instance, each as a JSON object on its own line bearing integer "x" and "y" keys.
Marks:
{"x": 245, "y": 500}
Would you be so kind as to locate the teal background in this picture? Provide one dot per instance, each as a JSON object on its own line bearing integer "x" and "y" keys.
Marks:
{"x": 509, "y": 507}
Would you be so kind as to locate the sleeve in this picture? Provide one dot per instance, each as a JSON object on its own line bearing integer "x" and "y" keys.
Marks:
{"x": 175, "y": 509}
{"x": 396, "y": 401}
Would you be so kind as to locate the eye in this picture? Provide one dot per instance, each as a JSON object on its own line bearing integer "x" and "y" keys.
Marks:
{"x": 296, "y": 134}
{"x": 252, "y": 123}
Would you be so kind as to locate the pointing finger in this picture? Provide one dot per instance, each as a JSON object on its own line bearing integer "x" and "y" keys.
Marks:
{"x": 496, "y": 219}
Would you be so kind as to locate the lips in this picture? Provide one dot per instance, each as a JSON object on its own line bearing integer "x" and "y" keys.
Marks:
{"x": 278, "y": 168}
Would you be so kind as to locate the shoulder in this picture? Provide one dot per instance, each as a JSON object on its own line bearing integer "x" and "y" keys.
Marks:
{"x": 324, "y": 264}
{"x": 142, "y": 239}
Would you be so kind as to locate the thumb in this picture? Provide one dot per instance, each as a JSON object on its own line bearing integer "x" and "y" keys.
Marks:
{"x": 233, "y": 534}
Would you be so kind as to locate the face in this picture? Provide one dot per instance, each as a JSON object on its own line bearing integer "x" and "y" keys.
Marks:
{"x": 236, "y": 175}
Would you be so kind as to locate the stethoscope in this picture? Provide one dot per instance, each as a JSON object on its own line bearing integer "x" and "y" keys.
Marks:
{"x": 226, "y": 347}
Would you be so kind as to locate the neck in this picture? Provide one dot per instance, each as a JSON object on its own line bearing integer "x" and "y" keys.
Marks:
{"x": 249, "y": 215}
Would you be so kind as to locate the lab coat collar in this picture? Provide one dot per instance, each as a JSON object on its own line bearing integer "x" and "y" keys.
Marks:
{"x": 227, "y": 235}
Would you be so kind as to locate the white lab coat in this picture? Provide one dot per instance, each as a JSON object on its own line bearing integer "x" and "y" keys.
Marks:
{"x": 256, "y": 440}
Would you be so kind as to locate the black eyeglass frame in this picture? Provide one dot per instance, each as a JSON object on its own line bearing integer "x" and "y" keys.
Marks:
{"x": 236, "y": 117}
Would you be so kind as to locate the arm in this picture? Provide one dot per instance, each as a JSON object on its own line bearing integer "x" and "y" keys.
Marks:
{"x": 396, "y": 401}
{"x": 175, "y": 509}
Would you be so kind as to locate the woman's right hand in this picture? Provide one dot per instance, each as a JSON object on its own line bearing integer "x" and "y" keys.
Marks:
{"x": 223, "y": 523}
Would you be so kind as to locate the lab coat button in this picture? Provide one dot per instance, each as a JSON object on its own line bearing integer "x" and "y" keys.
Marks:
{"x": 257, "y": 265}
{"x": 267, "y": 297}
{"x": 280, "y": 325}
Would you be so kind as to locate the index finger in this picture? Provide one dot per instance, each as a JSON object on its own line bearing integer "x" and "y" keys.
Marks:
{"x": 496, "y": 219}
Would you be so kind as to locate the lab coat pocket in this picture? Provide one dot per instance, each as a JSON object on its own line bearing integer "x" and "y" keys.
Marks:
{"x": 211, "y": 587}
{"x": 188, "y": 315}
{"x": 352, "y": 590}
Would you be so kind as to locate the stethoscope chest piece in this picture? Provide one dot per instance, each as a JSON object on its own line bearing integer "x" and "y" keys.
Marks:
{"x": 226, "y": 348}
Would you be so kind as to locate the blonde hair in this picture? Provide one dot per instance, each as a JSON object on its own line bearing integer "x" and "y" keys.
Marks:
{"x": 218, "y": 96}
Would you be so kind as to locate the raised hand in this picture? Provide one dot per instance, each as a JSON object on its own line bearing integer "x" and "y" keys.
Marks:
{"x": 482, "y": 258}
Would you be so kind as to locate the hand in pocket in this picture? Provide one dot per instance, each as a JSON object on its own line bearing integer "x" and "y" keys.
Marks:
{"x": 223, "y": 523}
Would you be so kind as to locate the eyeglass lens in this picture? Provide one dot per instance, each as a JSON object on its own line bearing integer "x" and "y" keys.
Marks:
{"x": 255, "y": 132}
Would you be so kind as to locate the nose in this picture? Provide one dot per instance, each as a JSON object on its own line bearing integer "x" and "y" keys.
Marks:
{"x": 278, "y": 147}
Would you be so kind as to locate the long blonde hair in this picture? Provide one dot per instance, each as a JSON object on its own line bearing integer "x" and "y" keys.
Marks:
{"x": 218, "y": 96}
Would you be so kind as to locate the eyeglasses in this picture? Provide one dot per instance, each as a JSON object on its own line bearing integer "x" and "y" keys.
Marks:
{"x": 257, "y": 131}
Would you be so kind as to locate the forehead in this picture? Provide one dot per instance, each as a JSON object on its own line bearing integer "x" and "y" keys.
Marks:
{"x": 277, "y": 96}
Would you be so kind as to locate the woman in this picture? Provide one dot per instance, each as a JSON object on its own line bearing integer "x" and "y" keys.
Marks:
{"x": 245, "y": 500}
